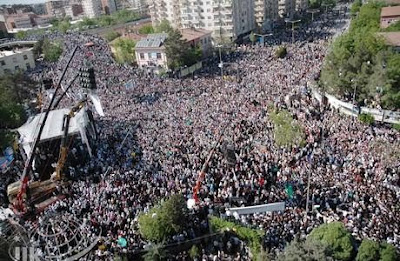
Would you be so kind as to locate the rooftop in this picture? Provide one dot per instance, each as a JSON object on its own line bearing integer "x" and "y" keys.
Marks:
{"x": 392, "y": 2}
{"x": 152, "y": 41}
{"x": 391, "y": 38}
{"x": 5, "y": 53}
{"x": 193, "y": 34}
{"x": 390, "y": 11}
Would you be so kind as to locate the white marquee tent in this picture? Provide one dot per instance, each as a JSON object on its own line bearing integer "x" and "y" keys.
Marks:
{"x": 53, "y": 128}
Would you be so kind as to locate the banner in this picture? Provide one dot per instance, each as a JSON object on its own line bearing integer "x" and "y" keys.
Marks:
{"x": 278, "y": 206}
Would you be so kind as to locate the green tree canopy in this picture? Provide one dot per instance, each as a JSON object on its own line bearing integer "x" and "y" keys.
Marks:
{"x": 21, "y": 35}
{"x": 146, "y": 29}
{"x": 337, "y": 238}
{"x": 164, "y": 220}
{"x": 388, "y": 252}
{"x": 163, "y": 27}
{"x": 361, "y": 63}
{"x": 287, "y": 132}
{"x": 308, "y": 250}
{"x": 52, "y": 50}
{"x": 368, "y": 251}
{"x": 124, "y": 50}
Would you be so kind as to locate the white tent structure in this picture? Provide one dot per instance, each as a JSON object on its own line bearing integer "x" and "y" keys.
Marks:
{"x": 53, "y": 128}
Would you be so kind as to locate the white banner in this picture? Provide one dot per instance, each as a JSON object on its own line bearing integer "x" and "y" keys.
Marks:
{"x": 277, "y": 206}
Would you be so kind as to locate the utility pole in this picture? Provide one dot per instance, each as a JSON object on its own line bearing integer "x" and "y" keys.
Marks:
{"x": 293, "y": 22}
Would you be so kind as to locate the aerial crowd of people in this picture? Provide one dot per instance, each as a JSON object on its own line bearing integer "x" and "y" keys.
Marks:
{"x": 156, "y": 135}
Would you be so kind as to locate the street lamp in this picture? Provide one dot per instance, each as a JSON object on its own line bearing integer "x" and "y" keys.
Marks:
{"x": 312, "y": 12}
{"x": 293, "y": 22}
{"x": 263, "y": 37}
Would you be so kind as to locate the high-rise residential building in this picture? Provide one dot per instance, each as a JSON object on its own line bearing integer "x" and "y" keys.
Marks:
{"x": 286, "y": 8}
{"x": 301, "y": 6}
{"x": 265, "y": 11}
{"x": 91, "y": 8}
{"x": 55, "y": 7}
{"x": 227, "y": 19}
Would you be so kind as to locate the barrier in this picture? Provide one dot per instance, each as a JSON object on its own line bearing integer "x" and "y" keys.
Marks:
{"x": 191, "y": 69}
{"x": 352, "y": 110}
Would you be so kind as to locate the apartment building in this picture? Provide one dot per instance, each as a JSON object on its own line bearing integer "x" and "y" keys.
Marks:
{"x": 286, "y": 8}
{"x": 265, "y": 11}
{"x": 227, "y": 19}
{"x": 16, "y": 56}
{"x": 91, "y": 8}
{"x": 55, "y": 8}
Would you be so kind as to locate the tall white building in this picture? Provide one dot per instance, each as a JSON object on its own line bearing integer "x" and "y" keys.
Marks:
{"x": 265, "y": 11}
{"x": 286, "y": 8}
{"x": 227, "y": 19}
{"x": 91, "y": 8}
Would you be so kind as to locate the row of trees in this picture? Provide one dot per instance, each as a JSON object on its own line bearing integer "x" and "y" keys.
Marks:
{"x": 333, "y": 242}
{"x": 360, "y": 65}
{"x": 14, "y": 89}
{"x": 51, "y": 50}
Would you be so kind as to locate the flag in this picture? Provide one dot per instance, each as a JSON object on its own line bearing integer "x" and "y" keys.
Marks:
{"x": 289, "y": 190}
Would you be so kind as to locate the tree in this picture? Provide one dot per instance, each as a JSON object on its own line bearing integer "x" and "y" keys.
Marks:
{"x": 368, "y": 251}
{"x": 281, "y": 52}
{"x": 112, "y": 35}
{"x": 52, "y": 50}
{"x": 64, "y": 26}
{"x": 146, "y": 29}
{"x": 164, "y": 220}
{"x": 337, "y": 239}
{"x": 252, "y": 38}
{"x": 163, "y": 27}
{"x": 21, "y": 35}
{"x": 286, "y": 131}
{"x": 388, "y": 252}
{"x": 366, "y": 118}
{"x": 156, "y": 253}
{"x": 38, "y": 48}
{"x": 194, "y": 252}
{"x": 175, "y": 49}
{"x": 124, "y": 50}
{"x": 309, "y": 250}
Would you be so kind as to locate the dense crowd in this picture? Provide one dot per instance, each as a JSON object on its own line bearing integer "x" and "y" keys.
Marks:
{"x": 155, "y": 137}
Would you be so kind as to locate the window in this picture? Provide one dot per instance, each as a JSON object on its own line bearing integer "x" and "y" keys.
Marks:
{"x": 28, "y": 66}
{"x": 158, "y": 56}
{"x": 141, "y": 56}
{"x": 25, "y": 57}
{"x": 14, "y": 59}
{"x": 17, "y": 67}
{"x": 2, "y": 63}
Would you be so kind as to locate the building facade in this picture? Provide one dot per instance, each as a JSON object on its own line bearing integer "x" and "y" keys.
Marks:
{"x": 227, "y": 19}
{"x": 91, "y": 8}
{"x": 150, "y": 52}
{"x": 16, "y": 56}
{"x": 198, "y": 37}
{"x": 55, "y": 8}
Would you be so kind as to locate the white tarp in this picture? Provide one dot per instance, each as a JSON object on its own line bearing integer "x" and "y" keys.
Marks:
{"x": 53, "y": 128}
{"x": 278, "y": 206}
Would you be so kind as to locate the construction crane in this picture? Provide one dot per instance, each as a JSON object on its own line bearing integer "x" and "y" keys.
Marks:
{"x": 203, "y": 171}
{"x": 57, "y": 176}
{"x": 20, "y": 205}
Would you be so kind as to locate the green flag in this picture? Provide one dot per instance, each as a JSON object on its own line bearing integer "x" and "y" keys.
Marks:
{"x": 289, "y": 190}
